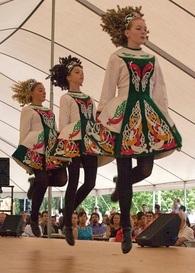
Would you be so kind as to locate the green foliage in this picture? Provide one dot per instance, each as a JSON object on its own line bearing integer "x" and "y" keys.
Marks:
{"x": 139, "y": 198}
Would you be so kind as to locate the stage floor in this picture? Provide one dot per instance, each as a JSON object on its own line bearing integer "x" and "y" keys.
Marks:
{"x": 30, "y": 255}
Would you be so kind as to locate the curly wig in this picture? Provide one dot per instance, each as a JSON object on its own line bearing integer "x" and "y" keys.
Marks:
{"x": 113, "y": 22}
{"x": 60, "y": 71}
{"x": 23, "y": 91}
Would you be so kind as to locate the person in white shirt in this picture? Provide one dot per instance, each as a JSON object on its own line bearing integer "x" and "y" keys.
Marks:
{"x": 185, "y": 233}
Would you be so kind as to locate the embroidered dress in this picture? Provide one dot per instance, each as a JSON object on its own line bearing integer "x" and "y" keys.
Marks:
{"x": 73, "y": 140}
{"x": 38, "y": 139}
{"x": 77, "y": 112}
{"x": 136, "y": 122}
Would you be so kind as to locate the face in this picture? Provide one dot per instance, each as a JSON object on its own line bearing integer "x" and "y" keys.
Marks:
{"x": 74, "y": 219}
{"x": 45, "y": 218}
{"x": 53, "y": 221}
{"x": 38, "y": 94}
{"x": 2, "y": 217}
{"x": 144, "y": 208}
{"x": 76, "y": 76}
{"x": 136, "y": 34}
{"x": 95, "y": 218}
{"x": 149, "y": 217}
{"x": 142, "y": 221}
{"x": 83, "y": 219}
{"x": 116, "y": 219}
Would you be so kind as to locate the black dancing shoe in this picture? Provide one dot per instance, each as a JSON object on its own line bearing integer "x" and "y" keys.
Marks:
{"x": 35, "y": 228}
{"x": 69, "y": 236}
{"x": 31, "y": 189}
{"x": 114, "y": 196}
{"x": 126, "y": 243}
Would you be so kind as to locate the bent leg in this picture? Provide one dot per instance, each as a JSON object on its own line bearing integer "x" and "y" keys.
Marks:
{"x": 140, "y": 172}
{"x": 58, "y": 177}
{"x": 143, "y": 169}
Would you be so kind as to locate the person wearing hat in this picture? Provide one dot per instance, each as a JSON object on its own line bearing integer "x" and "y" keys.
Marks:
{"x": 96, "y": 210}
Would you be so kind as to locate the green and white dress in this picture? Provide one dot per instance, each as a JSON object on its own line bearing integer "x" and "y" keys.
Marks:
{"x": 77, "y": 114}
{"x": 134, "y": 119}
{"x": 38, "y": 139}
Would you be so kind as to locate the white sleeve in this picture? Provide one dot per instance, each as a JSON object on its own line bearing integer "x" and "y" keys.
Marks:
{"x": 158, "y": 88}
{"x": 25, "y": 123}
{"x": 110, "y": 81}
{"x": 65, "y": 110}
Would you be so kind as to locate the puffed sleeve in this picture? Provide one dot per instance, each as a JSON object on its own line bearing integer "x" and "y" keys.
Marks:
{"x": 25, "y": 123}
{"x": 110, "y": 81}
{"x": 158, "y": 91}
{"x": 64, "y": 113}
{"x": 158, "y": 87}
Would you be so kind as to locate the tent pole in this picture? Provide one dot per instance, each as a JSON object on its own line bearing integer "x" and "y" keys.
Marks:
{"x": 51, "y": 107}
{"x": 153, "y": 197}
{"x": 185, "y": 195}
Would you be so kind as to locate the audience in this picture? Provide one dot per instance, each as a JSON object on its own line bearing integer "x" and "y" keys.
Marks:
{"x": 97, "y": 228}
{"x": 144, "y": 208}
{"x": 185, "y": 233}
{"x": 44, "y": 223}
{"x": 157, "y": 208}
{"x": 74, "y": 220}
{"x": 114, "y": 226}
{"x": 2, "y": 218}
{"x": 149, "y": 217}
{"x": 82, "y": 231}
{"x": 176, "y": 205}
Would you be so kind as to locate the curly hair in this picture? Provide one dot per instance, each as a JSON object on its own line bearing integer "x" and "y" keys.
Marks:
{"x": 114, "y": 23}
{"x": 60, "y": 71}
{"x": 23, "y": 91}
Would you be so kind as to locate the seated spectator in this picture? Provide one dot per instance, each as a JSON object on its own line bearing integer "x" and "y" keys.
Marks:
{"x": 105, "y": 220}
{"x": 2, "y": 218}
{"x": 114, "y": 226}
{"x": 28, "y": 231}
{"x": 193, "y": 228}
{"x": 97, "y": 228}
{"x": 25, "y": 219}
{"x": 157, "y": 208}
{"x": 82, "y": 231}
{"x": 183, "y": 208}
{"x": 44, "y": 223}
{"x": 156, "y": 215}
{"x": 142, "y": 224}
{"x": 185, "y": 233}
{"x": 119, "y": 234}
{"x": 149, "y": 217}
{"x": 54, "y": 224}
{"x": 74, "y": 219}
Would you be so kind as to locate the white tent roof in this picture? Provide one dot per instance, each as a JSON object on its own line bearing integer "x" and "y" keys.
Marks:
{"x": 25, "y": 52}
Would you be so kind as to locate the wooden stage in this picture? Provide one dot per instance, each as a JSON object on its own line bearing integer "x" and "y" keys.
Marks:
{"x": 30, "y": 255}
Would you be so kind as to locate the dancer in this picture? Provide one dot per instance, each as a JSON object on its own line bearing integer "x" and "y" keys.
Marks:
{"x": 135, "y": 123}
{"x": 38, "y": 138}
{"x": 77, "y": 111}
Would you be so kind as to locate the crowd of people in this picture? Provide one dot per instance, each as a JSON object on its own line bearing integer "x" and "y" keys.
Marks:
{"x": 131, "y": 121}
{"x": 87, "y": 226}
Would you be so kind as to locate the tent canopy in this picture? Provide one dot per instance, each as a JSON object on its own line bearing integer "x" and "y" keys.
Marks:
{"x": 25, "y": 52}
